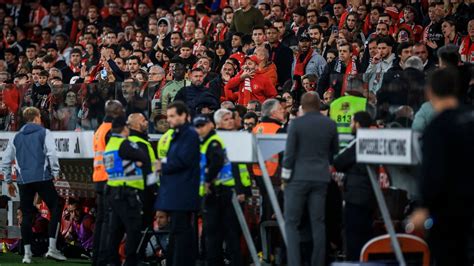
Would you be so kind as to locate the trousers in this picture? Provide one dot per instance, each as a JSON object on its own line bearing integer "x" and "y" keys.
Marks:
{"x": 125, "y": 217}
{"x": 221, "y": 224}
{"x": 312, "y": 195}
{"x": 48, "y": 193}
{"x": 182, "y": 248}
{"x": 100, "y": 233}
{"x": 358, "y": 224}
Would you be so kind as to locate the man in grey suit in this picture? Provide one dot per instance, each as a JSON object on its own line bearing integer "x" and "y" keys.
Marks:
{"x": 311, "y": 143}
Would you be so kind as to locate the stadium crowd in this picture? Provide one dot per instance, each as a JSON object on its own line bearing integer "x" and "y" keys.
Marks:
{"x": 238, "y": 62}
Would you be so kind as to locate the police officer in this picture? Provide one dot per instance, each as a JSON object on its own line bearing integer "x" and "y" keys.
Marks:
{"x": 113, "y": 109}
{"x": 225, "y": 121}
{"x": 125, "y": 186}
{"x": 217, "y": 188}
{"x": 138, "y": 125}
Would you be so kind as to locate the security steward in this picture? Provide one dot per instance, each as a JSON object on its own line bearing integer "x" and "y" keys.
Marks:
{"x": 343, "y": 109}
{"x": 125, "y": 186}
{"x": 113, "y": 109}
{"x": 273, "y": 117}
{"x": 217, "y": 188}
{"x": 138, "y": 125}
{"x": 164, "y": 143}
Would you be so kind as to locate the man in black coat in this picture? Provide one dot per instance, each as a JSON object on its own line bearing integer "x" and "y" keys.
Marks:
{"x": 358, "y": 194}
{"x": 447, "y": 180}
{"x": 280, "y": 54}
{"x": 335, "y": 72}
{"x": 194, "y": 94}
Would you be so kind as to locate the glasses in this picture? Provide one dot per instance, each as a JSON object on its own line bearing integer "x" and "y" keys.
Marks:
{"x": 199, "y": 126}
{"x": 249, "y": 124}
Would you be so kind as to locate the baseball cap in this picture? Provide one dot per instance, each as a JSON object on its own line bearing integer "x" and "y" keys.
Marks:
{"x": 201, "y": 120}
{"x": 304, "y": 37}
{"x": 253, "y": 58}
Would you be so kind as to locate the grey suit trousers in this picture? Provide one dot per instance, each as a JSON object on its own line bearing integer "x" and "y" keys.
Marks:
{"x": 297, "y": 194}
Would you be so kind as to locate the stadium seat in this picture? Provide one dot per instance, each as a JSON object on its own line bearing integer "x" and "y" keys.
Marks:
{"x": 415, "y": 250}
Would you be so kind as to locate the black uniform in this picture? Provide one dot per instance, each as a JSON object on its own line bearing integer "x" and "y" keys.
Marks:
{"x": 447, "y": 184}
{"x": 151, "y": 191}
{"x": 360, "y": 201}
{"x": 220, "y": 221}
{"x": 125, "y": 211}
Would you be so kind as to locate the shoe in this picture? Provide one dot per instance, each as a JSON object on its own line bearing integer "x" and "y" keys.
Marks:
{"x": 26, "y": 259}
{"x": 55, "y": 254}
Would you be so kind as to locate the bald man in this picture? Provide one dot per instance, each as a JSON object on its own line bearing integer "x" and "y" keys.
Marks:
{"x": 138, "y": 125}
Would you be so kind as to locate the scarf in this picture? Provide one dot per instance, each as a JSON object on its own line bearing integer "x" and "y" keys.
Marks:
{"x": 75, "y": 69}
{"x": 467, "y": 50}
{"x": 247, "y": 90}
{"x": 301, "y": 64}
{"x": 351, "y": 70}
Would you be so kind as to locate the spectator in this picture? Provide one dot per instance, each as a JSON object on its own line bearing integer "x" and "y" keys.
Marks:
{"x": 266, "y": 67}
{"x": 336, "y": 73}
{"x": 251, "y": 84}
{"x": 77, "y": 230}
{"x": 204, "y": 63}
{"x": 467, "y": 45}
{"x": 280, "y": 55}
{"x": 217, "y": 85}
{"x": 246, "y": 18}
{"x": 196, "y": 93}
{"x": 420, "y": 50}
{"x": 307, "y": 61}
{"x": 169, "y": 91}
{"x": 250, "y": 121}
{"x": 380, "y": 63}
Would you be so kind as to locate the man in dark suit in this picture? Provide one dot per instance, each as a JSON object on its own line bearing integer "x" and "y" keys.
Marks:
{"x": 179, "y": 186}
{"x": 312, "y": 141}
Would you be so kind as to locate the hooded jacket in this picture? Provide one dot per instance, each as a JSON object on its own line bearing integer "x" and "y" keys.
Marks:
{"x": 271, "y": 72}
{"x": 261, "y": 88}
{"x": 34, "y": 151}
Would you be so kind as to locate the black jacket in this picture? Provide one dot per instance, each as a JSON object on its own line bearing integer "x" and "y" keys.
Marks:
{"x": 216, "y": 87}
{"x": 215, "y": 156}
{"x": 147, "y": 167}
{"x": 194, "y": 95}
{"x": 447, "y": 180}
{"x": 357, "y": 187}
{"x": 130, "y": 151}
{"x": 282, "y": 56}
{"x": 332, "y": 77}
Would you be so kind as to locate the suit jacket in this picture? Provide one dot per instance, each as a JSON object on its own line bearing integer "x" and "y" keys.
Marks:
{"x": 311, "y": 144}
